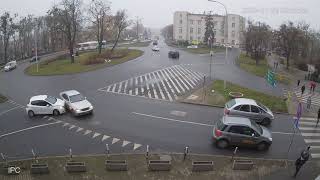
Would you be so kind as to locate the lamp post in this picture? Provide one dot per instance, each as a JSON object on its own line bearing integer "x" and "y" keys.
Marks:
{"x": 225, "y": 29}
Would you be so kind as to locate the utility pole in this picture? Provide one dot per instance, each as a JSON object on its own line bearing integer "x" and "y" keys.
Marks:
{"x": 137, "y": 23}
{"x": 36, "y": 47}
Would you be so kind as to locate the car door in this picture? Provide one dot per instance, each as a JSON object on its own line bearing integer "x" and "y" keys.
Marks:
{"x": 255, "y": 113}
{"x": 249, "y": 136}
{"x": 66, "y": 99}
{"x": 35, "y": 107}
{"x": 48, "y": 109}
{"x": 42, "y": 107}
{"x": 245, "y": 111}
{"x": 235, "y": 134}
{"x": 236, "y": 111}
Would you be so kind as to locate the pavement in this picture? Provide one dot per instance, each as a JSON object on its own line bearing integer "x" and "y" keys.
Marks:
{"x": 135, "y": 106}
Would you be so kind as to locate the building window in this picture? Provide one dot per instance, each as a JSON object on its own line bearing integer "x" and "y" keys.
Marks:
{"x": 222, "y": 40}
{"x": 191, "y": 38}
{"x": 180, "y": 37}
{"x": 191, "y": 30}
{"x": 233, "y": 25}
{"x": 191, "y": 21}
{"x": 199, "y": 22}
{"x": 180, "y": 21}
{"x": 180, "y": 30}
{"x": 199, "y": 30}
{"x": 233, "y": 34}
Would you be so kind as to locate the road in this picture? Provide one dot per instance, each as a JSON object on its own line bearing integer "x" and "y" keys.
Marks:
{"x": 133, "y": 109}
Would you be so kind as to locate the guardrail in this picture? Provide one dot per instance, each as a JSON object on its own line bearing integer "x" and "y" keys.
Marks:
{"x": 242, "y": 165}
{"x": 159, "y": 165}
{"x": 75, "y": 167}
{"x": 202, "y": 165}
{"x": 39, "y": 169}
{"x": 116, "y": 165}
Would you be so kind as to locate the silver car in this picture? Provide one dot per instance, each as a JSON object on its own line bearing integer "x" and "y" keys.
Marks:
{"x": 249, "y": 108}
{"x": 76, "y": 103}
{"x": 240, "y": 131}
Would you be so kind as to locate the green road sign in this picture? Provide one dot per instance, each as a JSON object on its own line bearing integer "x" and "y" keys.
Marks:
{"x": 271, "y": 79}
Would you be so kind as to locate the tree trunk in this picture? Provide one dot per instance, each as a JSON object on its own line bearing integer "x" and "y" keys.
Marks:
{"x": 288, "y": 58}
{"x": 71, "y": 52}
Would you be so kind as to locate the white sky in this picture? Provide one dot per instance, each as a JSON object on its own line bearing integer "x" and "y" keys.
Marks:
{"x": 158, "y": 13}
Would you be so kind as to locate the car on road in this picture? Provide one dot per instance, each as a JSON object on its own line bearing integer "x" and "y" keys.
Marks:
{"x": 192, "y": 47}
{"x": 10, "y": 66}
{"x": 34, "y": 59}
{"x": 76, "y": 103}
{"x": 249, "y": 108}
{"x": 173, "y": 54}
{"x": 155, "y": 43}
{"x": 44, "y": 104}
{"x": 155, "y": 48}
{"x": 240, "y": 131}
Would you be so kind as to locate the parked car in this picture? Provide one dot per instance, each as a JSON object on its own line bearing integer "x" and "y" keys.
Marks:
{"x": 241, "y": 132}
{"x": 173, "y": 54}
{"x": 76, "y": 103}
{"x": 192, "y": 47}
{"x": 155, "y": 48}
{"x": 249, "y": 108}
{"x": 33, "y": 59}
{"x": 44, "y": 104}
{"x": 10, "y": 66}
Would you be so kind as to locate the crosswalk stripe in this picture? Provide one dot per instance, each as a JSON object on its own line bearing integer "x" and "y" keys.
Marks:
{"x": 114, "y": 88}
{"x": 308, "y": 118}
{"x": 184, "y": 77}
{"x": 315, "y": 155}
{"x": 177, "y": 75}
{"x": 95, "y": 135}
{"x": 175, "y": 79}
{"x": 307, "y": 123}
{"x": 314, "y": 147}
{"x": 120, "y": 86}
{"x": 312, "y": 140}
{"x": 79, "y": 129}
{"x": 87, "y": 132}
{"x": 158, "y": 85}
{"x": 153, "y": 90}
{"x": 71, "y": 127}
{"x": 191, "y": 77}
{"x": 136, "y": 146}
{"x": 164, "y": 86}
{"x": 105, "y": 137}
{"x": 115, "y": 140}
{"x": 109, "y": 87}
{"x": 310, "y": 128}
{"x": 199, "y": 77}
{"x": 310, "y": 134}
{"x": 170, "y": 81}
{"x": 125, "y": 86}
{"x": 148, "y": 87}
{"x": 65, "y": 124}
{"x": 125, "y": 143}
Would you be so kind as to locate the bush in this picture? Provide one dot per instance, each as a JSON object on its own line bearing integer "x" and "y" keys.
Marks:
{"x": 93, "y": 61}
{"x": 302, "y": 66}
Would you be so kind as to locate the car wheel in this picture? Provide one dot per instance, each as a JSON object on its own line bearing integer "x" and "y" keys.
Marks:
{"x": 56, "y": 112}
{"x": 263, "y": 146}
{"x": 222, "y": 144}
{"x": 266, "y": 122}
{"x": 31, "y": 114}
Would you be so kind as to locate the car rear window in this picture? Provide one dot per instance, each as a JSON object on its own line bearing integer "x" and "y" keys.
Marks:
{"x": 230, "y": 103}
{"x": 221, "y": 126}
{"x": 262, "y": 106}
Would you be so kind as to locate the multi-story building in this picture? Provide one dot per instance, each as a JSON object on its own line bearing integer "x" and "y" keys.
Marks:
{"x": 191, "y": 27}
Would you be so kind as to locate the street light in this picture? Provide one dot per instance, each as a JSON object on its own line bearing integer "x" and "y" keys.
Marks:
{"x": 225, "y": 29}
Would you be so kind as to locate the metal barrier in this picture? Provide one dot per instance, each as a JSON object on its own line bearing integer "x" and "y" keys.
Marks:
{"x": 158, "y": 165}
{"x": 202, "y": 165}
{"x": 116, "y": 165}
{"x": 76, "y": 167}
{"x": 39, "y": 169}
{"x": 242, "y": 165}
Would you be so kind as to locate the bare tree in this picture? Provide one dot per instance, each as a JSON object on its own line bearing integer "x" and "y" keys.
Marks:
{"x": 120, "y": 23}
{"x": 167, "y": 32}
{"x": 99, "y": 11}
{"x": 7, "y": 29}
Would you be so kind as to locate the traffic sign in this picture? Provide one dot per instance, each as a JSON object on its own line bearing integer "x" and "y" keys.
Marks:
{"x": 270, "y": 77}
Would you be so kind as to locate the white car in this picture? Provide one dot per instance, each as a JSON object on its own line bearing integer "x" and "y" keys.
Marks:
{"x": 76, "y": 103}
{"x": 10, "y": 66}
{"x": 44, "y": 104}
{"x": 192, "y": 47}
{"x": 155, "y": 48}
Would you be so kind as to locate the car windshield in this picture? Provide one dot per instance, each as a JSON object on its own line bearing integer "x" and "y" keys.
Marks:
{"x": 231, "y": 103}
{"x": 51, "y": 100}
{"x": 76, "y": 98}
{"x": 256, "y": 127}
{"x": 262, "y": 106}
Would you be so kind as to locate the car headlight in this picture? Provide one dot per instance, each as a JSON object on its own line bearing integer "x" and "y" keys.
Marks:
{"x": 77, "y": 110}
{"x": 90, "y": 107}
{"x": 270, "y": 139}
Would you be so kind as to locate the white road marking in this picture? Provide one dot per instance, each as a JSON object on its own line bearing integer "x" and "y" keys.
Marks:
{"x": 104, "y": 137}
{"x": 315, "y": 155}
{"x": 65, "y": 124}
{"x": 71, "y": 127}
{"x": 186, "y": 76}
{"x": 136, "y": 146}
{"x": 307, "y": 123}
{"x": 284, "y": 133}
{"x": 169, "y": 77}
{"x": 310, "y": 128}
{"x": 312, "y": 140}
{"x": 79, "y": 129}
{"x": 173, "y": 77}
{"x": 87, "y": 132}
{"x": 29, "y": 128}
{"x": 310, "y": 134}
{"x": 125, "y": 85}
{"x": 178, "y": 113}
{"x": 114, "y": 140}
{"x": 315, "y": 147}
{"x": 119, "y": 90}
{"x": 125, "y": 143}
{"x": 4, "y": 112}
{"x": 45, "y": 117}
{"x": 114, "y": 88}
{"x": 95, "y": 135}
{"x": 164, "y": 86}
{"x": 183, "y": 77}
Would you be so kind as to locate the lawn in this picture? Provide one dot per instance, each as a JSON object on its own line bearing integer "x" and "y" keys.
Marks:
{"x": 204, "y": 50}
{"x": 3, "y": 99}
{"x": 274, "y": 103}
{"x": 136, "y": 44}
{"x": 248, "y": 64}
{"x": 85, "y": 62}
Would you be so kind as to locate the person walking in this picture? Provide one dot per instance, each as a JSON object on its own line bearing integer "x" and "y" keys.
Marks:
{"x": 309, "y": 103}
{"x": 304, "y": 157}
{"x": 303, "y": 88}
{"x": 298, "y": 82}
{"x": 313, "y": 86}
{"x": 318, "y": 117}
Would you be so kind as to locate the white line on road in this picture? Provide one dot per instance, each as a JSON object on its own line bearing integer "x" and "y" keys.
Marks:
{"x": 29, "y": 128}
{"x": 4, "y": 112}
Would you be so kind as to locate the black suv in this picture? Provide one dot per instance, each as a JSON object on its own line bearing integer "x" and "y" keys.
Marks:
{"x": 173, "y": 54}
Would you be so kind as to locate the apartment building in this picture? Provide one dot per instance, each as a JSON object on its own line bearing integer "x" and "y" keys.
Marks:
{"x": 191, "y": 27}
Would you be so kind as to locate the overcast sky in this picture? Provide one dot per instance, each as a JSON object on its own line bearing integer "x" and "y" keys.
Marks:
{"x": 158, "y": 13}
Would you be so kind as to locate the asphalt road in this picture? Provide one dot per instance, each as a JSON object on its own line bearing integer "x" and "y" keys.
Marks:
{"x": 128, "y": 123}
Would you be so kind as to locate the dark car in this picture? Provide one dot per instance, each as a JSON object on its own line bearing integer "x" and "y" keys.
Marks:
{"x": 173, "y": 54}
{"x": 33, "y": 59}
{"x": 155, "y": 43}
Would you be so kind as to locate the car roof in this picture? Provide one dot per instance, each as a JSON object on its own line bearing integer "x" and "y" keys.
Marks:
{"x": 233, "y": 120}
{"x": 38, "y": 97}
{"x": 245, "y": 101}
{"x": 70, "y": 92}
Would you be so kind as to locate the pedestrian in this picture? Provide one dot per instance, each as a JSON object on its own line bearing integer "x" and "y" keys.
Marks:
{"x": 313, "y": 86}
{"x": 303, "y": 88}
{"x": 318, "y": 117}
{"x": 304, "y": 157}
{"x": 298, "y": 82}
{"x": 309, "y": 102}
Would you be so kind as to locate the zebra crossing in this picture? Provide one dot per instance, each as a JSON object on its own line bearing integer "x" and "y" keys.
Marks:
{"x": 164, "y": 84}
{"x": 315, "y": 97}
{"x": 311, "y": 134}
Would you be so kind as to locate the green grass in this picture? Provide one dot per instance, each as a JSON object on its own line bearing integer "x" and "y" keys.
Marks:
{"x": 136, "y": 44}
{"x": 248, "y": 64}
{"x": 64, "y": 65}
{"x": 203, "y": 50}
{"x": 274, "y": 103}
{"x": 3, "y": 99}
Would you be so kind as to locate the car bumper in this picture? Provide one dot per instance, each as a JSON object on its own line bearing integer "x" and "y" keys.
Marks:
{"x": 83, "y": 112}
